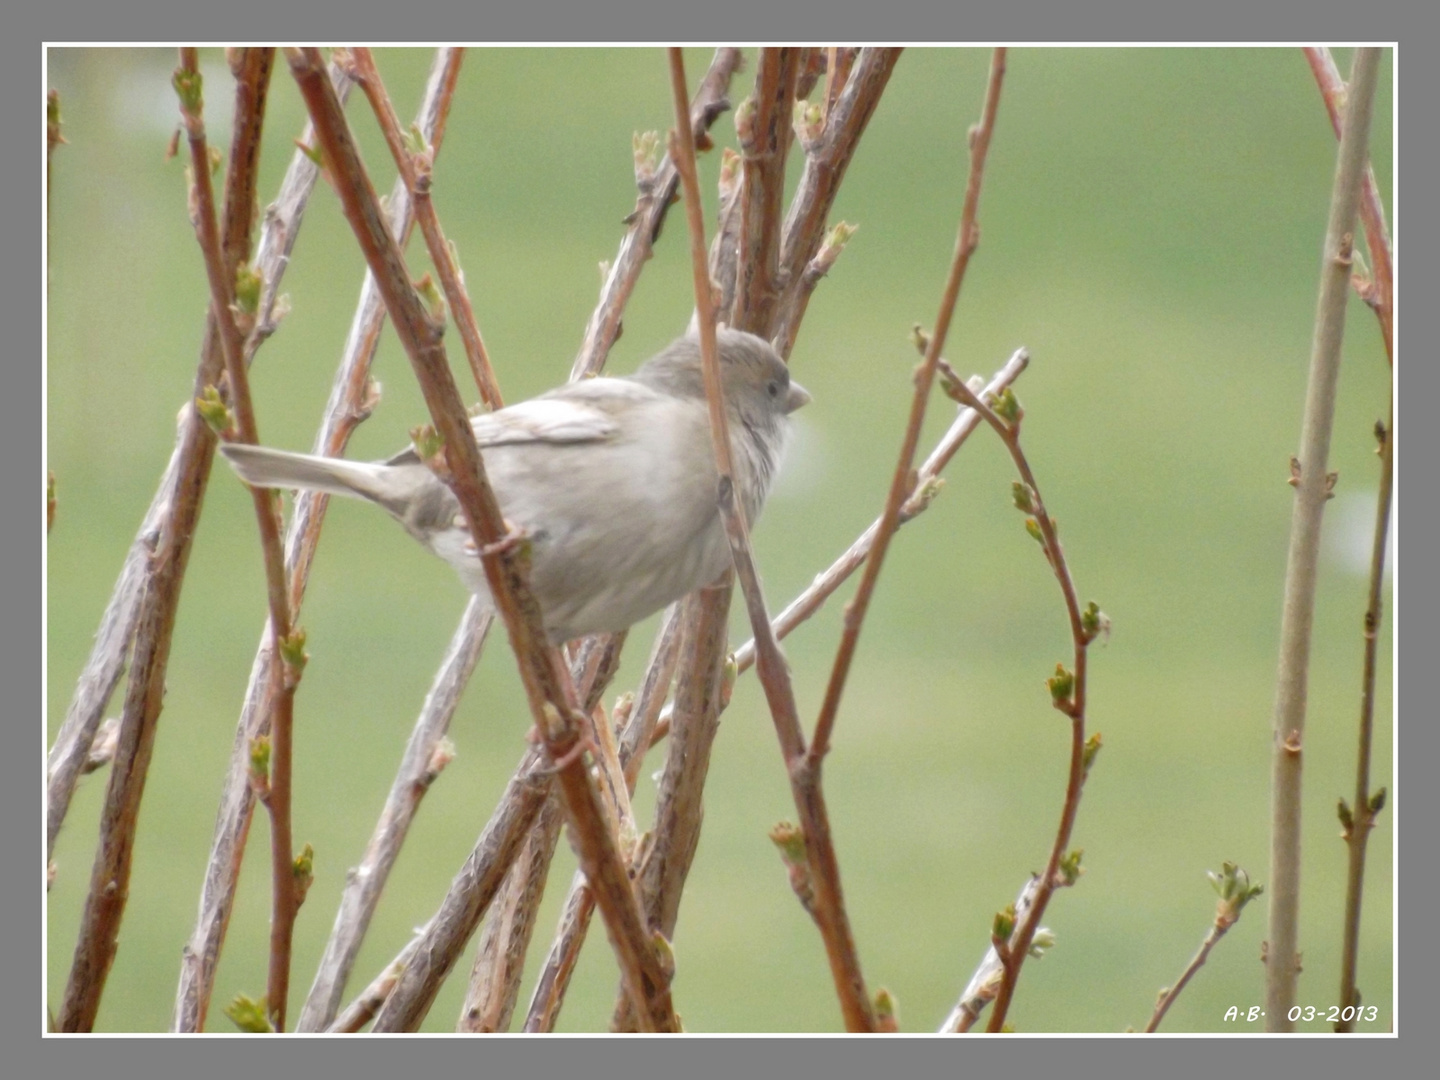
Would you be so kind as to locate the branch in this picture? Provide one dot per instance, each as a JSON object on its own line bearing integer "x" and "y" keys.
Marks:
{"x": 1379, "y": 292}
{"x": 773, "y": 672}
{"x": 1235, "y": 890}
{"x": 559, "y": 965}
{"x": 657, "y": 186}
{"x": 353, "y": 395}
{"x": 827, "y": 155}
{"x": 426, "y": 754}
{"x": 425, "y": 961}
{"x": 1312, "y": 490}
{"x": 965, "y": 244}
{"x": 1359, "y": 819}
{"x": 762, "y": 124}
{"x": 415, "y": 168}
{"x": 286, "y": 894}
{"x": 500, "y": 957}
{"x": 670, "y": 851}
{"x": 551, "y": 697}
{"x": 143, "y": 609}
{"x": 184, "y": 471}
{"x": 1068, "y": 689}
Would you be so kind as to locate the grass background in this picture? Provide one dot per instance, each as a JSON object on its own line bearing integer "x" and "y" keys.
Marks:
{"x": 1152, "y": 221}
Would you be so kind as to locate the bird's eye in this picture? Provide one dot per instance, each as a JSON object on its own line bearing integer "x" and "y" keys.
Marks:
{"x": 773, "y": 389}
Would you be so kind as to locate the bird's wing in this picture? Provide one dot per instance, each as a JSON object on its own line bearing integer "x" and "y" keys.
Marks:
{"x": 575, "y": 413}
{"x": 545, "y": 419}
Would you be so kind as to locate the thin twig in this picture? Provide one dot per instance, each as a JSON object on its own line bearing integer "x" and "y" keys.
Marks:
{"x": 827, "y": 156}
{"x": 416, "y": 167}
{"x": 551, "y": 696}
{"x": 1233, "y": 885}
{"x": 353, "y": 395}
{"x": 1313, "y": 487}
{"x": 772, "y": 669}
{"x": 1069, "y": 689}
{"x": 657, "y": 186}
{"x": 1359, "y": 819}
{"x": 965, "y": 244}
{"x": 143, "y": 609}
{"x": 1379, "y": 291}
{"x": 285, "y": 677}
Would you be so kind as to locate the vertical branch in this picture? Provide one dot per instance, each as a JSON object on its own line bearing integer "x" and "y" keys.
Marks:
{"x": 1359, "y": 819}
{"x": 143, "y": 609}
{"x": 829, "y": 141}
{"x": 1313, "y": 488}
{"x": 965, "y": 244}
{"x": 773, "y": 672}
{"x": 1377, "y": 290}
{"x": 764, "y": 129}
{"x": 548, "y": 689}
{"x": 286, "y": 893}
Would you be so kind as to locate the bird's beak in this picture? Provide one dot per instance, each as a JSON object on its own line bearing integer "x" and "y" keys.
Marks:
{"x": 798, "y": 396}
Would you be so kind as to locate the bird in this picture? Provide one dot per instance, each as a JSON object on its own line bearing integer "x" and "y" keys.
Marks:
{"x": 611, "y": 480}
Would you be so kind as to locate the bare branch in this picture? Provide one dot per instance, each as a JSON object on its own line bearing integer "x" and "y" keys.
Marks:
{"x": 499, "y": 964}
{"x": 826, "y": 160}
{"x": 965, "y": 244}
{"x": 657, "y": 191}
{"x": 1378, "y": 292}
{"x": 551, "y": 696}
{"x": 1360, "y": 818}
{"x": 429, "y": 959}
{"x": 635, "y": 739}
{"x": 763, "y": 124}
{"x": 772, "y": 669}
{"x": 353, "y": 395}
{"x": 1282, "y": 967}
{"x": 155, "y": 570}
{"x": 422, "y": 762}
{"x": 415, "y": 169}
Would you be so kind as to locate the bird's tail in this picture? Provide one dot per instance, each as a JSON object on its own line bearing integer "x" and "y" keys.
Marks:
{"x": 260, "y": 466}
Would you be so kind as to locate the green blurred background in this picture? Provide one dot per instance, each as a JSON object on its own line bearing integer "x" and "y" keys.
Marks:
{"x": 1152, "y": 223}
